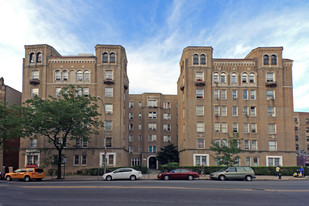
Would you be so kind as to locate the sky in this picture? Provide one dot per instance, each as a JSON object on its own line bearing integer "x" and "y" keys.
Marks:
{"x": 154, "y": 34}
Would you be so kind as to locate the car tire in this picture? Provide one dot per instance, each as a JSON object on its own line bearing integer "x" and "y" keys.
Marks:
{"x": 222, "y": 177}
{"x": 27, "y": 178}
{"x": 108, "y": 178}
{"x": 8, "y": 178}
{"x": 248, "y": 178}
{"x": 190, "y": 177}
{"x": 132, "y": 177}
{"x": 166, "y": 177}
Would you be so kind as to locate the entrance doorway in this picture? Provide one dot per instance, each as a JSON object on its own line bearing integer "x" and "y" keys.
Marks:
{"x": 152, "y": 162}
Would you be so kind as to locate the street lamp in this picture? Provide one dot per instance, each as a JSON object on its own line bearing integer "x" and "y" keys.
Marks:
{"x": 104, "y": 160}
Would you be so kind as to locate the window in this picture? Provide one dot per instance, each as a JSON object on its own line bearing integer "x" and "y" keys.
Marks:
{"x": 235, "y": 127}
{"x": 139, "y": 127}
{"x": 223, "y": 94}
{"x": 108, "y": 75}
{"x": 252, "y": 78}
{"x": 87, "y": 76}
{"x": 270, "y": 77}
{"x": 76, "y": 160}
{"x": 166, "y": 127}
{"x": 152, "y": 149}
{"x": 166, "y": 116}
{"x": 86, "y": 92}
{"x": 152, "y": 126}
{"x": 131, "y": 138}
{"x": 223, "y": 78}
{"x": 203, "y": 59}
{"x": 235, "y": 111}
{"x": 139, "y": 104}
{"x": 200, "y": 159}
{"x": 79, "y": 76}
{"x": 245, "y": 94}
{"x": 234, "y": 94}
{"x": 130, "y": 149}
{"x": 253, "y": 111}
{"x": 200, "y": 127}
{"x": 57, "y": 75}
{"x": 271, "y": 128}
{"x": 84, "y": 159}
{"x": 199, "y": 76}
{"x": 58, "y": 92}
{"x": 215, "y": 77}
{"x": 167, "y": 138}
{"x": 195, "y": 59}
{"x": 248, "y": 161}
{"x": 247, "y": 145}
{"x": 266, "y": 59}
{"x": 131, "y": 115}
{"x": 65, "y": 75}
{"x": 246, "y": 127}
{"x": 271, "y": 111}
{"x": 296, "y": 138}
{"x": 244, "y": 78}
{"x": 152, "y": 103}
{"x": 34, "y": 92}
{"x": 224, "y": 111}
{"x": 31, "y": 58}
{"x": 253, "y": 128}
{"x": 199, "y": 110}
{"x": 108, "y": 108}
{"x": 272, "y": 145}
{"x": 140, "y": 115}
{"x": 199, "y": 93}
{"x": 224, "y": 127}
{"x": 78, "y": 91}
{"x": 108, "y": 142}
{"x": 217, "y": 111}
{"x": 84, "y": 143}
{"x": 225, "y": 143}
{"x": 105, "y": 57}
{"x": 255, "y": 161}
{"x": 273, "y": 161}
{"x": 112, "y": 58}
{"x": 131, "y": 127}
{"x": 33, "y": 143}
{"x": 217, "y": 142}
{"x": 297, "y": 147}
{"x": 108, "y": 125}
{"x": 254, "y": 144}
{"x": 217, "y": 127}
{"x": 200, "y": 143}
{"x": 39, "y": 57}
{"x": 246, "y": 111}
{"x": 135, "y": 162}
{"x": 109, "y": 92}
{"x": 273, "y": 59}
{"x": 252, "y": 94}
{"x": 216, "y": 93}
{"x": 167, "y": 105}
{"x": 233, "y": 78}
{"x": 270, "y": 94}
{"x": 140, "y": 137}
{"x": 35, "y": 74}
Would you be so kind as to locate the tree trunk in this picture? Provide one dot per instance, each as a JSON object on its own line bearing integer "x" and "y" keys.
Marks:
{"x": 59, "y": 163}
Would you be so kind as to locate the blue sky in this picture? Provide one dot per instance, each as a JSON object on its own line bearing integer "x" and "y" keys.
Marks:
{"x": 154, "y": 33}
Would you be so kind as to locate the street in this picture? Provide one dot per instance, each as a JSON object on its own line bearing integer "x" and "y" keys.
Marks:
{"x": 154, "y": 192}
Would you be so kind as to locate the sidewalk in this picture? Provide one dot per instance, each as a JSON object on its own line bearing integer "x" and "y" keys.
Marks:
{"x": 154, "y": 177}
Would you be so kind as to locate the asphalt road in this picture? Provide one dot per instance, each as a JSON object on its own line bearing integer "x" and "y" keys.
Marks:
{"x": 154, "y": 192}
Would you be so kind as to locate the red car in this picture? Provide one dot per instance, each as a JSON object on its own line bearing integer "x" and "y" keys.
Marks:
{"x": 178, "y": 174}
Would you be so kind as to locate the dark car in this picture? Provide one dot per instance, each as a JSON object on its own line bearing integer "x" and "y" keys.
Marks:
{"x": 178, "y": 174}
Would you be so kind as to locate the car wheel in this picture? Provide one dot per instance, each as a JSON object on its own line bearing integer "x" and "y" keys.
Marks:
{"x": 8, "y": 178}
{"x": 222, "y": 177}
{"x": 166, "y": 177}
{"x": 109, "y": 178}
{"x": 132, "y": 177}
{"x": 27, "y": 178}
{"x": 248, "y": 178}
{"x": 190, "y": 177}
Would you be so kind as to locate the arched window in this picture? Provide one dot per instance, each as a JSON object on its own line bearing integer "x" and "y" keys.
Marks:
{"x": 222, "y": 78}
{"x": 266, "y": 59}
{"x": 79, "y": 76}
{"x": 251, "y": 78}
{"x": 215, "y": 78}
{"x": 195, "y": 59}
{"x": 203, "y": 59}
{"x": 112, "y": 58}
{"x": 57, "y": 75}
{"x": 244, "y": 78}
{"x": 273, "y": 59}
{"x": 233, "y": 78}
{"x": 31, "y": 57}
{"x": 105, "y": 57}
{"x": 87, "y": 76}
{"x": 65, "y": 75}
{"x": 39, "y": 57}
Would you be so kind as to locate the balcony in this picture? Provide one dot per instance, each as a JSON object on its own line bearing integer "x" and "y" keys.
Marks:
{"x": 109, "y": 81}
{"x": 270, "y": 84}
{"x": 199, "y": 82}
{"x": 35, "y": 81}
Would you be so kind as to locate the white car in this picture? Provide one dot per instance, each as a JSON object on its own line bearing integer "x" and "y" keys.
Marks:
{"x": 123, "y": 173}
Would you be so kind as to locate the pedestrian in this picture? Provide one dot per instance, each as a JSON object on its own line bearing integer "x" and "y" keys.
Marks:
{"x": 278, "y": 170}
{"x": 302, "y": 172}
{"x": 202, "y": 170}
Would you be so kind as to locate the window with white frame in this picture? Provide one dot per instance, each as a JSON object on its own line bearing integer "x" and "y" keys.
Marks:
{"x": 252, "y": 78}
{"x": 108, "y": 142}
{"x": 199, "y": 110}
{"x": 217, "y": 127}
{"x": 252, "y": 94}
{"x": 152, "y": 126}
{"x": 235, "y": 127}
{"x": 35, "y": 74}
{"x": 76, "y": 160}
{"x": 83, "y": 159}
{"x": 245, "y": 94}
{"x": 105, "y": 57}
{"x": 244, "y": 78}
{"x": 253, "y": 111}
{"x": 57, "y": 75}
{"x": 200, "y": 143}
{"x": 200, "y": 160}
{"x": 217, "y": 110}
{"x": 109, "y": 75}
{"x": 273, "y": 59}
{"x": 131, "y": 127}
{"x": 253, "y": 128}
{"x": 152, "y": 149}
{"x": 152, "y": 103}
{"x": 131, "y": 138}
{"x": 195, "y": 59}
{"x": 87, "y": 76}
{"x": 167, "y": 105}
{"x": 215, "y": 78}
{"x": 166, "y": 116}
{"x": 273, "y": 161}
{"x": 234, "y": 94}
{"x": 112, "y": 57}
{"x": 167, "y": 138}
{"x": 246, "y": 111}
{"x": 108, "y": 125}
{"x": 235, "y": 111}
{"x": 217, "y": 142}
{"x": 203, "y": 59}
{"x": 135, "y": 162}
{"x": 65, "y": 75}
{"x": 108, "y": 108}
{"x": 224, "y": 111}
{"x": 246, "y": 127}
{"x": 139, "y": 127}
{"x": 152, "y": 115}
{"x": 199, "y": 76}
{"x": 140, "y": 115}
{"x": 200, "y": 93}
{"x": 131, "y": 115}
{"x": 86, "y": 92}
{"x": 254, "y": 145}
{"x": 109, "y": 92}
{"x": 139, "y": 148}
{"x": 266, "y": 59}
{"x": 272, "y": 145}
{"x": 33, "y": 143}
{"x": 223, "y": 78}
{"x": 200, "y": 127}
{"x": 223, "y": 94}
{"x": 270, "y": 77}
{"x": 248, "y": 161}
{"x": 140, "y": 137}
{"x": 216, "y": 93}
{"x": 224, "y": 127}
{"x": 272, "y": 128}
{"x": 247, "y": 145}
{"x": 166, "y": 127}
{"x": 131, "y": 104}
{"x": 58, "y": 92}
{"x": 79, "y": 92}
{"x": 79, "y": 76}
{"x": 233, "y": 78}
{"x": 110, "y": 159}
{"x": 139, "y": 104}
{"x": 271, "y": 111}
{"x": 255, "y": 161}
{"x": 224, "y": 142}
{"x": 130, "y": 149}
{"x": 34, "y": 92}
{"x": 270, "y": 94}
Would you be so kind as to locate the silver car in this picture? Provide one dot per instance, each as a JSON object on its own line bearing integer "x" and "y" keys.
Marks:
{"x": 123, "y": 173}
{"x": 234, "y": 173}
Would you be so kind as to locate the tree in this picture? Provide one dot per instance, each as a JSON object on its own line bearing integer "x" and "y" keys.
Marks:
{"x": 168, "y": 153}
{"x": 227, "y": 152}
{"x": 60, "y": 119}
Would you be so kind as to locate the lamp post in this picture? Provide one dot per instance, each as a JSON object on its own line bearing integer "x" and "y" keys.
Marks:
{"x": 104, "y": 136}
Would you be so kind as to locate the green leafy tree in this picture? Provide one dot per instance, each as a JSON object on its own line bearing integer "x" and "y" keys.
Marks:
{"x": 168, "y": 153}
{"x": 60, "y": 119}
{"x": 227, "y": 152}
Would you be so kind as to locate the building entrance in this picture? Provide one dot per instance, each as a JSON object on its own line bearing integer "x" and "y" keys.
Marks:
{"x": 152, "y": 163}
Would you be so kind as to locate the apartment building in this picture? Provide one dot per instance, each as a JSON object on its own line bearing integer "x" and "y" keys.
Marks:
{"x": 104, "y": 74}
{"x": 252, "y": 97}
{"x": 301, "y": 120}
{"x": 9, "y": 156}
{"x": 152, "y": 125}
